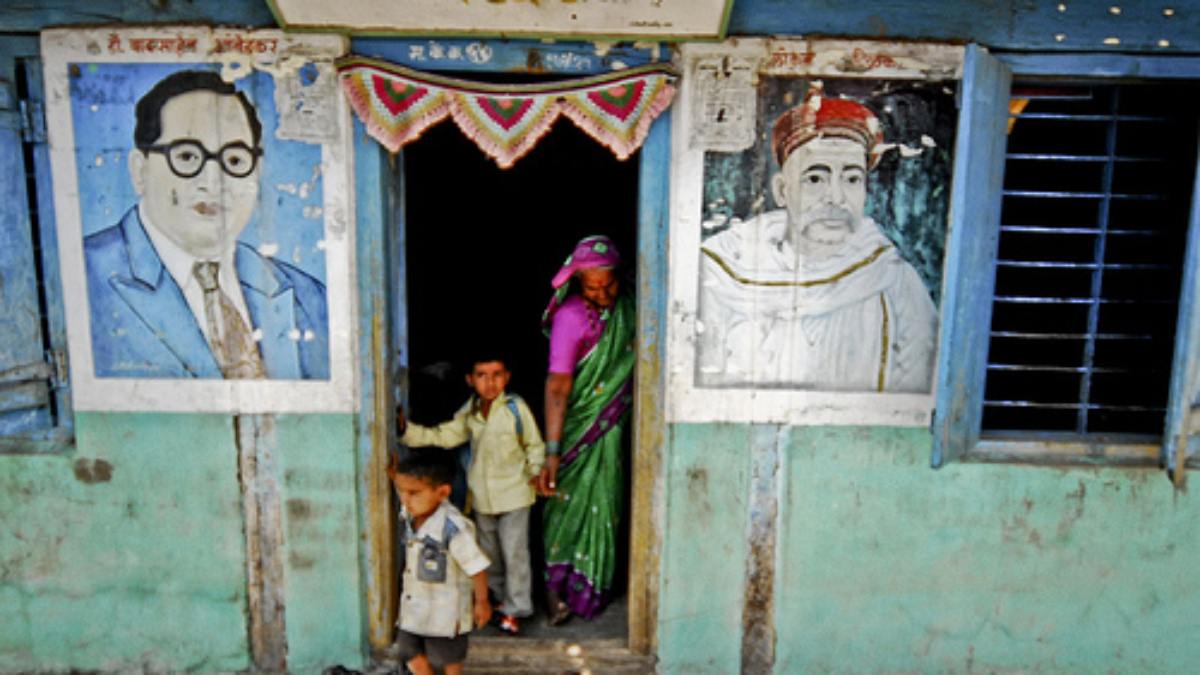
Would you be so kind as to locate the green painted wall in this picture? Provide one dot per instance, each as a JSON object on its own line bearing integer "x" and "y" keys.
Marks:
{"x": 704, "y": 549}
{"x": 885, "y": 565}
{"x": 323, "y": 540}
{"x": 129, "y": 552}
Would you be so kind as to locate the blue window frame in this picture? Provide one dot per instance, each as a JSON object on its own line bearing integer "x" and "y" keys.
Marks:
{"x": 35, "y": 400}
{"x": 962, "y": 430}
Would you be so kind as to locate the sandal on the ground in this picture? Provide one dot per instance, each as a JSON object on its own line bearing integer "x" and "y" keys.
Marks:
{"x": 559, "y": 613}
{"x": 510, "y": 625}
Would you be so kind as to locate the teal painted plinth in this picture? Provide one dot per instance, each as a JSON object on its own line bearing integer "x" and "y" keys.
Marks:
{"x": 883, "y": 565}
{"x": 705, "y": 550}
{"x": 324, "y": 596}
{"x": 127, "y": 553}
{"x": 888, "y": 566}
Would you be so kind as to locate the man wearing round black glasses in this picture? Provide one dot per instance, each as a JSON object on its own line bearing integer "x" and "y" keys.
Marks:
{"x": 173, "y": 292}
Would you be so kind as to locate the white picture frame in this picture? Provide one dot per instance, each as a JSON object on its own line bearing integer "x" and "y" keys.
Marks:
{"x": 719, "y": 111}
{"x": 304, "y": 218}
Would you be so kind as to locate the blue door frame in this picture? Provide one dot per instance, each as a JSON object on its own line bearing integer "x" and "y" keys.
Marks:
{"x": 383, "y": 328}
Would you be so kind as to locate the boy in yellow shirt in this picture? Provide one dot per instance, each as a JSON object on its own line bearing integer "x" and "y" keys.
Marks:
{"x": 507, "y": 453}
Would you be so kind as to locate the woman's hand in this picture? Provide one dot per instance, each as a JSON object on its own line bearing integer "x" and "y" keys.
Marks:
{"x": 547, "y": 480}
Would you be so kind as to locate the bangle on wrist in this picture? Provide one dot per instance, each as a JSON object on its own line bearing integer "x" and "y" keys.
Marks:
{"x": 552, "y": 447}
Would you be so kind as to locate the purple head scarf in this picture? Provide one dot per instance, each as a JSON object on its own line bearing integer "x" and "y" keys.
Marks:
{"x": 595, "y": 252}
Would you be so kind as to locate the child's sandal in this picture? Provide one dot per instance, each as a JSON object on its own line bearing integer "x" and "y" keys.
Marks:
{"x": 510, "y": 625}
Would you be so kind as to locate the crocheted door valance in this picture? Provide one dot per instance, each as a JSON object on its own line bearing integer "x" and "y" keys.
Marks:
{"x": 398, "y": 104}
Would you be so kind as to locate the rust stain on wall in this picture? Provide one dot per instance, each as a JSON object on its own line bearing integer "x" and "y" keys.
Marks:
{"x": 533, "y": 61}
{"x": 299, "y": 509}
{"x": 92, "y": 471}
{"x": 1074, "y": 513}
{"x": 301, "y": 562}
{"x": 697, "y": 487}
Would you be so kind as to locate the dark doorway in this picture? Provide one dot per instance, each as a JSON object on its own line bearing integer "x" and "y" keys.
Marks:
{"x": 483, "y": 243}
{"x": 481, "y": 246}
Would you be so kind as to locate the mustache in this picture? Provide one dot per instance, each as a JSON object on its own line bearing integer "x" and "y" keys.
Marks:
{"x": 830, "y": 213}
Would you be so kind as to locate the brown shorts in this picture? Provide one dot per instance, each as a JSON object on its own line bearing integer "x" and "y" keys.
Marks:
{"x": 441, "y": 651}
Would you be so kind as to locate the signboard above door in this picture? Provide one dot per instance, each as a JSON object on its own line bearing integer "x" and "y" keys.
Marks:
{"x": 599, "y": 19}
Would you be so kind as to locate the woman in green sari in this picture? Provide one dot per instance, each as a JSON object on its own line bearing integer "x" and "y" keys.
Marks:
{"x": 589, "y": 393}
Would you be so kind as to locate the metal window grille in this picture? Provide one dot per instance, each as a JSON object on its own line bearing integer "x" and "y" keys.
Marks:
{"x": 1097, "y": 194}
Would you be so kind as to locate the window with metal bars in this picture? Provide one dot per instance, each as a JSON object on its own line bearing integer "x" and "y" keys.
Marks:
{"x": 35, "y": 406}
{"x": 1071, "y": 302}
{"x": 1093, "y": 227}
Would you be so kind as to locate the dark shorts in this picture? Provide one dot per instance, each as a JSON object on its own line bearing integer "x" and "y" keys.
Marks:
{"x": 440, "y": 651}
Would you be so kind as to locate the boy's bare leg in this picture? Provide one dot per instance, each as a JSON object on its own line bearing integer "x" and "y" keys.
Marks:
{"x": 453, "y": 669}
{"x": 420, "y": 666}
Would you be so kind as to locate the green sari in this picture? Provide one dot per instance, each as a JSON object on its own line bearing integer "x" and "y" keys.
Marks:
{"x": 582, "y": 519}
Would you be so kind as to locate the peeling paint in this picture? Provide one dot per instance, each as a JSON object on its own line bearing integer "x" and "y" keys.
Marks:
{"x": 758, "y": 617}
{"x": 255, "y": 437}
{"x": 382, "y": 592}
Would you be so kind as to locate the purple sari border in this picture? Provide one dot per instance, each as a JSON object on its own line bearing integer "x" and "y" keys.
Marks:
{"x": 574, "y": 587}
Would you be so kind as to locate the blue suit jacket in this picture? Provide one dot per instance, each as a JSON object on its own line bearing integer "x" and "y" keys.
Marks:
{"x": 142, "y": 326}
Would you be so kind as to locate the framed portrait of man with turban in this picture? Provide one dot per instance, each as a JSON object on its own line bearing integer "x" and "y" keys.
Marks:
{"x": 817, "y": 248}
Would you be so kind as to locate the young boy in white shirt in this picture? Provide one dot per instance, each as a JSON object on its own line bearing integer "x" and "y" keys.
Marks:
{"x": 507, "y": 453}
{"x": 445, "y": 573}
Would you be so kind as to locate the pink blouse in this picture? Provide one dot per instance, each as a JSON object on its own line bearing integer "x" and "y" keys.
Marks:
{"x": 572, "y": 335}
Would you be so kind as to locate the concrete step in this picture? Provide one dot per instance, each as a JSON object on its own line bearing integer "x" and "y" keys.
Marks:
{"x": 537, "y": 656}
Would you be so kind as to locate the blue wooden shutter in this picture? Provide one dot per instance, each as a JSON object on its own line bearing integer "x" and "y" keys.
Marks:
{"x": 34, "y": 398}
{"x": 971, "y": 253}
{"x": 1180, "y": 437}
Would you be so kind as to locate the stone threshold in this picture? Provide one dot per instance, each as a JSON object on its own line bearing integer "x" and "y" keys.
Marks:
{"x": 503, "y": 655}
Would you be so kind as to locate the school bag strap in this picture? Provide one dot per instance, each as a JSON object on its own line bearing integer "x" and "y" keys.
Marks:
{"x": 449, "y": 529}
{"x": 511, "y": 401}
{"x": 448, "y": 532}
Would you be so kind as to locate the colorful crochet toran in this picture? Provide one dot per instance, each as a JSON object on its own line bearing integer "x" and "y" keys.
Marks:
{"x": 398, "y": 104}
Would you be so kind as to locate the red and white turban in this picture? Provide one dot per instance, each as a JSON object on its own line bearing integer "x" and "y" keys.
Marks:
{"x": 820, "y": 117}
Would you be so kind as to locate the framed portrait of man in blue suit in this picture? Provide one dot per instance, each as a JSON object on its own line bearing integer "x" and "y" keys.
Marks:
{"x": 202, "y": 190}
